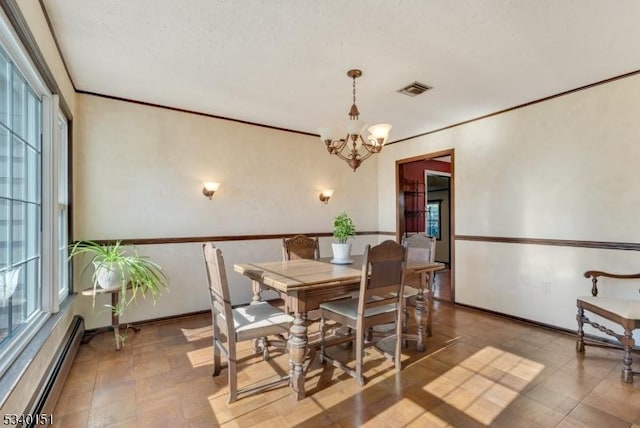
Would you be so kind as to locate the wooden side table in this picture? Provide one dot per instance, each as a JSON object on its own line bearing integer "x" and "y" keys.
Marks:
{"x": 115, "y": 318}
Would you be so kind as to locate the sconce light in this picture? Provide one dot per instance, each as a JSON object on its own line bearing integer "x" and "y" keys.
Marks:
{"x": 325, "y": 195}
{"x": 210, "y": 188}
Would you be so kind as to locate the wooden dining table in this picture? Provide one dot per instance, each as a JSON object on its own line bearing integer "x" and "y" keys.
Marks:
{"x": 307, "y": 283}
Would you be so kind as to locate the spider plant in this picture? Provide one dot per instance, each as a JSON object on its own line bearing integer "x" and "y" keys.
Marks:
{"x": 119, "y": 266}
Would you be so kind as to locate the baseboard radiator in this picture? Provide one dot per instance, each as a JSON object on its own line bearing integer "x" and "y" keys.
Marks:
{"x": 46, "y": 396}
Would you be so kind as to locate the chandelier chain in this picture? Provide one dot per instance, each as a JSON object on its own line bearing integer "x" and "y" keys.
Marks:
{"x": 354, "y": 90}
{"x": 354, "y": 113}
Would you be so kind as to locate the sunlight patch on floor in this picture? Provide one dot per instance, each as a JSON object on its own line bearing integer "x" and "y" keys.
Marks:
{"x": 200, "y": 357}
{"x": 194, "y": 334}
{"x": 484, "y": 384}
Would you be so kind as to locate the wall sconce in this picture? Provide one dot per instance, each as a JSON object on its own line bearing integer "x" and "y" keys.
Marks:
{"x": 325, "y": 195}
{"x": 210, "y": 188}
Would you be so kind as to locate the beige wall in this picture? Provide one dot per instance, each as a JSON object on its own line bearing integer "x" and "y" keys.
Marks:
{"x": 32, "y": 12}
{"x": 562, "y": 169}
{"x": 138, "y": 173}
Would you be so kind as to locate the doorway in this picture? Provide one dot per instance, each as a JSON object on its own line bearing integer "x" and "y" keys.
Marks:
{"x": 425, "y": 204}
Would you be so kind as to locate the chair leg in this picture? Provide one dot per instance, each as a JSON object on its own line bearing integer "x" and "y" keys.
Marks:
{"x": 321, "y": 328}
{"x": 430, "y": 316}
{"x": 262, "y": 345}
{"x": 233, "y": 377}
{"x": 217, "y": 367}
{"x": 627, "y": 373}
{"x": 580, "y": 319}
{"x": 359, "y": 357}
{"x": 397, "y": 357}
{"x": 405, "y": 322}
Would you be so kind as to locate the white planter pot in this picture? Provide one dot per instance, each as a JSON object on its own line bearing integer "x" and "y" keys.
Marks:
{"x": 111, "y": 277}
{"x": 341, "y": 252}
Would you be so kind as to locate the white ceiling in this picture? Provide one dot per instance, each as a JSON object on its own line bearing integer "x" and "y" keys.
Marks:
{"x": 283, "y": 63}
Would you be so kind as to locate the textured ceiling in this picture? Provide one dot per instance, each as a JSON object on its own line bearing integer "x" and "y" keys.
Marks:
{"x": 283, "y": 63}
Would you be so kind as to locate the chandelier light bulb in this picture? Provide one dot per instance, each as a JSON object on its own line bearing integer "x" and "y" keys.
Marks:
{"x": 380, "y": 133}
{"x": 355, "y": 127}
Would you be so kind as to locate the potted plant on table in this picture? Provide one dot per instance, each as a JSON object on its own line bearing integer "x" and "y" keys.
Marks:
{"x": 343, "y": 229}
{"x": 116, "y": 266}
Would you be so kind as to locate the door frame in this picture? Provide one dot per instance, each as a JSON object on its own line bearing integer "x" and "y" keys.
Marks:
{"x": 400, "y": 220}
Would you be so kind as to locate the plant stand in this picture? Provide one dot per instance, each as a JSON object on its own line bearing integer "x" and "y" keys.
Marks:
{"x": 115, "y": 318}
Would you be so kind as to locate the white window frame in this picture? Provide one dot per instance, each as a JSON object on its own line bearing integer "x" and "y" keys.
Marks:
{"x": 49, "y": 266}
{"x": 61, "y": 146}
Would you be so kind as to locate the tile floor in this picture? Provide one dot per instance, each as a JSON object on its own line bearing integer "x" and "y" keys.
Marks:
{"x": 479, "y": 370}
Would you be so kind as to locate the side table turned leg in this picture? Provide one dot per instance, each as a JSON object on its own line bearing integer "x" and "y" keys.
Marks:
{"x": 115, "y": 317}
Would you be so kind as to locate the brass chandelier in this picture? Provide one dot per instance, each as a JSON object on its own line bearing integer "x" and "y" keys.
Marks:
{"x": 354, "y": 148}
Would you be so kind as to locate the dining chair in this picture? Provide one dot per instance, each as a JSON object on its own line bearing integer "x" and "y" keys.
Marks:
{"x": 253, "y": 322}
{"x": 300, "y": 247}
{"x": 625, "y": 312}
{"x": 378, "y": 302}
{"x": 420, "y": 248}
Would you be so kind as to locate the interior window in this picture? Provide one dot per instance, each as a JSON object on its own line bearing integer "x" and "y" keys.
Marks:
{"x": 433, "y": 219}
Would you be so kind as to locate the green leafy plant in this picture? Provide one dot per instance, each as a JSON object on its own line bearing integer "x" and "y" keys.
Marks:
{"x": 343, "y": 227}
{"x": 135, "y": 274}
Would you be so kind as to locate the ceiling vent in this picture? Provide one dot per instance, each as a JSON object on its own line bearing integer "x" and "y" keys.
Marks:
{"x": 416, "y": 88}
